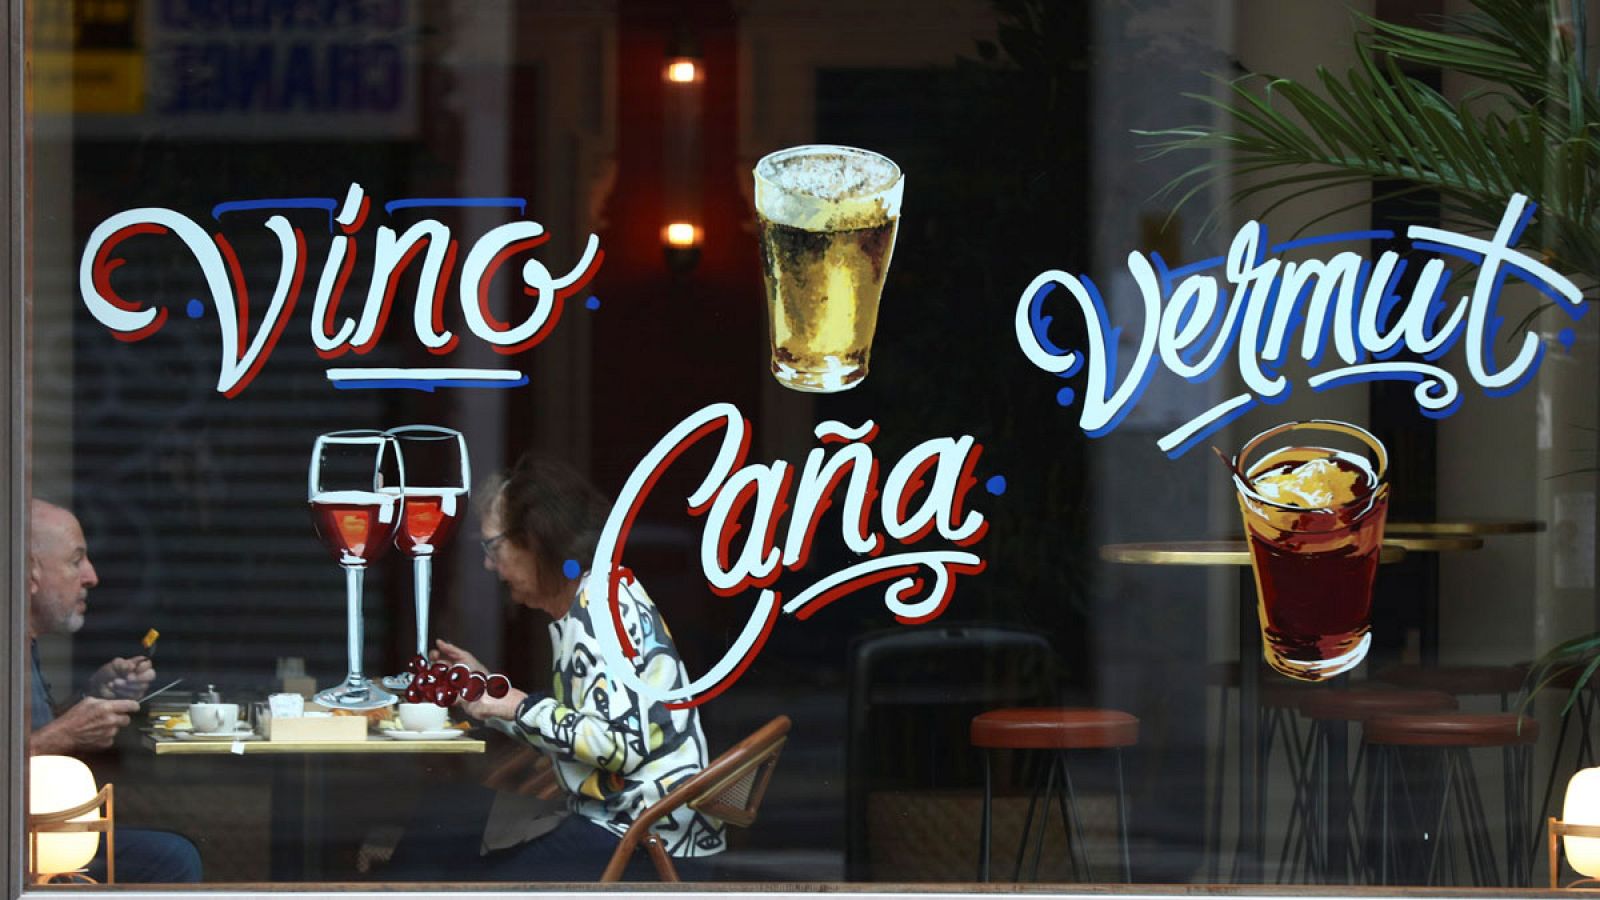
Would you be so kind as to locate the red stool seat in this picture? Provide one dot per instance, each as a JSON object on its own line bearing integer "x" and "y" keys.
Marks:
{"x": 1359, "y": 704}
{"x": 1469, "y": 681}
{"x": 1452, "y": 730}
{"x": 1054, "y": 728}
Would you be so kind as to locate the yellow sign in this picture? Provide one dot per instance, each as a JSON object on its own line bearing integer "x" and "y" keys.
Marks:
{"x": 96, "y": 81}
{"x": 86, "y": 56}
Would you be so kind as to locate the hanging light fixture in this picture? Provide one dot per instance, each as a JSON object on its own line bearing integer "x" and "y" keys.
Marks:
{"x": 684, "y": 74}
{"x": 681, "y": 241}
{"x": 684, "y": 65}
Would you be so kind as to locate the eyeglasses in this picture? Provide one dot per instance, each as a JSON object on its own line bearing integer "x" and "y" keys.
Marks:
{"x": 491, "y": 545}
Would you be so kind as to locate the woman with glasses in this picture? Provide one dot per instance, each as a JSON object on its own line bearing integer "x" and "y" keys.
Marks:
{"x": 614, "y": 752}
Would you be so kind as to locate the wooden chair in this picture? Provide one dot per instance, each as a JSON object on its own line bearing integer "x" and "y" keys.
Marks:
{"x": 730, "y": 789}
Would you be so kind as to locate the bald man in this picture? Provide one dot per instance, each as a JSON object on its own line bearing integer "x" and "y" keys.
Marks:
{"x": 60, "y": 576}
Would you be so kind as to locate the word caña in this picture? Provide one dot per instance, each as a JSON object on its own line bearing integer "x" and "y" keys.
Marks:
{"x": 924, "y": 492}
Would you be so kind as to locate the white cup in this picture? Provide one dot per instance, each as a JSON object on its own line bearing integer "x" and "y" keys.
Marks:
{"x": 210, "y": 718}
{"x": 423, "y": 717}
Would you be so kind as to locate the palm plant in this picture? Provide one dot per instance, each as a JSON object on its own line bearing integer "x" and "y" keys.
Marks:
{"x": 1532, "y": 126}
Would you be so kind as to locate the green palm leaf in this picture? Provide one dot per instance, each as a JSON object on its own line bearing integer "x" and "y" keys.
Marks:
{"x": 1535, "y": 130}
{"x": 1532, "y": 128}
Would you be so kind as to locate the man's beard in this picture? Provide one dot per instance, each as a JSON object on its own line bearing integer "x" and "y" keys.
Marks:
{"x": 73, "y": 623}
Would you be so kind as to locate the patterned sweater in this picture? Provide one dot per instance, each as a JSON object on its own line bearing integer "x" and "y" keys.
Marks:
{"x": 615, "y": 753}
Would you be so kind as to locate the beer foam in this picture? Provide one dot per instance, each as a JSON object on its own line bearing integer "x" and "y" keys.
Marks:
{"x": 828, "y": 188}
{"x": 1319, "y": 483}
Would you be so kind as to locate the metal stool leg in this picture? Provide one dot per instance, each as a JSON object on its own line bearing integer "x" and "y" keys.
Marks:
{"x": 1122, "y": 822}
{"x": 1077, "y": 824}
{"x": 1038, "y": 844}
{"x": 1214, "y": 836}
{"x": 1439, "y": 823}
{"x": 986, "y": 823}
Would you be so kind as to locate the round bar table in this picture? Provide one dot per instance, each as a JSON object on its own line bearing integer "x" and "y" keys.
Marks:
{"x": 1462, "y": 529}
{"x": 1233, "y": 553}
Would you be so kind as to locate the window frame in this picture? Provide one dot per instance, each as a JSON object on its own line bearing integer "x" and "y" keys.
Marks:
{"x": 14, "y": 436}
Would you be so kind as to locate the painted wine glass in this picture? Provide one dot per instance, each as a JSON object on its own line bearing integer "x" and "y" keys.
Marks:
{"x": 356, "y": 488}
{"x": 438, "y": 476}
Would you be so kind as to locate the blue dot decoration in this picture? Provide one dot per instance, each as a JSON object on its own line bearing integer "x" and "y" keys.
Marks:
{"x": 996, "y": 485}
{"x": 571, "y": 569}
{"x": 1065, "y": 396}
{"x": 592, "y": 303}
{"x": 195, "y": 308}
{"x": 1567, "y": 337}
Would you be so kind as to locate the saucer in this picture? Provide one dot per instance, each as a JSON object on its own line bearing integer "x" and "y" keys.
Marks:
{"x": 443, "y": 734}
{"x": 243, "y": 733}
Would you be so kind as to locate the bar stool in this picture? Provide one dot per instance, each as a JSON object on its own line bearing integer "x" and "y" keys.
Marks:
{"x": 1331, "y": 828}
{"x": 1278, "y": 723}
{"x": 1056, "y": 730}
{"x": 1282, "y": 721}
{"x": 1451, "y": 736}
{"x": 1460, "y": 681}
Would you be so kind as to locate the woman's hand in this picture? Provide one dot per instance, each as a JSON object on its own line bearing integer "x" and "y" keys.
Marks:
{"x": 487, "y": 707}
{"x": 450, "y": 653}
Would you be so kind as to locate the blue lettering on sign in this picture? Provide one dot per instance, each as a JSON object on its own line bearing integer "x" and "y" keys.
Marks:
{"x": 1193, "y": 323}
{"x": 242, "y": 76}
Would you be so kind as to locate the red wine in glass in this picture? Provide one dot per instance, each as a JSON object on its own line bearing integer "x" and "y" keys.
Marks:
{"x": 355, "y": 525}
{"x": 430, "y": 519}
{"x": 435, "y": 499}
{"x": 356, "y": 491}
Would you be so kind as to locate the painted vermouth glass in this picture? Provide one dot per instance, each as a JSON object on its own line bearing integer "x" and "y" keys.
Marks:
{"x": 436, "y": 489}
{"x": 1313, "y": 517}
{"x": 356, "y": 487}
{"x": 828, "y": 217}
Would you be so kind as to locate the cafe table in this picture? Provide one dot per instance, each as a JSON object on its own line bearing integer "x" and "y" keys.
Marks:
{"x": 1443, "y": 536}
{"x": 298, "y": 804}
{"x": 373, "y": 745}
{"x": 1250, "y": 863}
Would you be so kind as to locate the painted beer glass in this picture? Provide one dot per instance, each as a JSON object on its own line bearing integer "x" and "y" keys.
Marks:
{"x": 828, "y": 217}
{"x": 1313, "y": 517}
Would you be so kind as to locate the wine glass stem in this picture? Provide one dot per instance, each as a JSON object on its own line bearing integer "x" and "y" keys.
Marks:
{"x": 422, "y": 580}
{"x": 354, "y": 576}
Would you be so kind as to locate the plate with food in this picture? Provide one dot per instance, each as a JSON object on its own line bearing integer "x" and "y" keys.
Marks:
{"x": 242, "y": 733}
{"x": 442, "y": 734}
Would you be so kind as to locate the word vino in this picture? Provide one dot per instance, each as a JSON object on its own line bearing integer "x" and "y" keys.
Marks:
{"x": 245, "y": 348}
{"x": 925, "y": 492}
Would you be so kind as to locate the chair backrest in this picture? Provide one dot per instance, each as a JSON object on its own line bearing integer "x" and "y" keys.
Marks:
{"x": 730, "y": 788}
{"x": 920, "y": 687}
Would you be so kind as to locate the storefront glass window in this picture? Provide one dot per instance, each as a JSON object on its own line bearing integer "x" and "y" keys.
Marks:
{"x": 902, "y": 442}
